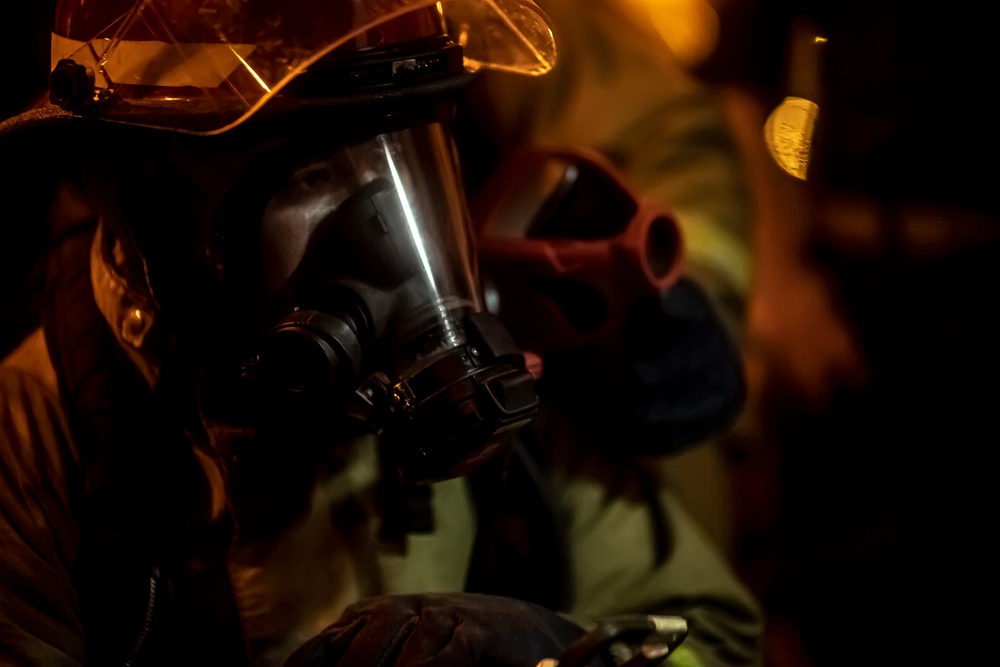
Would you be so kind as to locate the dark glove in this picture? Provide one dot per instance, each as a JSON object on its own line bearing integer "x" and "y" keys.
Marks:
{"x": 685, "y": 371}
{"x": 439, "y": 630}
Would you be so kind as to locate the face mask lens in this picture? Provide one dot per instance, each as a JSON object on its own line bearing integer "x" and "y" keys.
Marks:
{"x": 383, "y": 220}
{"x": 358, "y": 264}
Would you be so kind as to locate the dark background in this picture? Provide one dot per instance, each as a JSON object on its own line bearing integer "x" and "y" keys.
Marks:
{"x": 877, "y": 546}
{"x": 25, "y": 57}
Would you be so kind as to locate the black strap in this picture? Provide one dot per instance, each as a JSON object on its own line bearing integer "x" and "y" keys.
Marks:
{"x": 521, "y": 549}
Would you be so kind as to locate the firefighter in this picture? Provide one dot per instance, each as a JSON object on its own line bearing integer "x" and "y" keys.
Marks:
{"x": 266, "y": 386}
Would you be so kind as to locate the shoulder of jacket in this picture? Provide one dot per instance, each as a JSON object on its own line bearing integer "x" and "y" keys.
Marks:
{"x": 30, "y": 361}
{"x": 33, "y": 423}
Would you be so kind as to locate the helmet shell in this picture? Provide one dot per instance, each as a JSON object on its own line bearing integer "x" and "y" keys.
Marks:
{"x": 205, "y": 66}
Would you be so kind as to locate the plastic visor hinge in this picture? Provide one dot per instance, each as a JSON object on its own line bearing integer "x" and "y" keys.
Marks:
{"x": 491, "y": 337}
{"x": 513, "y": 393}
{"x": 71, "y": 85}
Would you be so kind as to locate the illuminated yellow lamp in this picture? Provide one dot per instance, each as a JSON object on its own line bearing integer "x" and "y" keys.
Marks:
{"x": 689, "y": 27}
{"x": 788, "y": 133}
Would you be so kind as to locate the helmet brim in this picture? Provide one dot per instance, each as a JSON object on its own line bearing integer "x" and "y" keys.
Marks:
{"x": 45, "y": 116}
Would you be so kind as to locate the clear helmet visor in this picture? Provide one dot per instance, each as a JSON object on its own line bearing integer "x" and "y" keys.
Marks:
{"x": 228, "y": 58}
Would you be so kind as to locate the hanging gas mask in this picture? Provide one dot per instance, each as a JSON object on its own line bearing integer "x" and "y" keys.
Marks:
{"x": 357, "y": 262}
{"x": 570, "y": 246}
{"x": 587, "y": 272}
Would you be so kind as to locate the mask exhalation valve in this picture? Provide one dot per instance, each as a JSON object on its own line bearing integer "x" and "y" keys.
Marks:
{"x": 310, "y": 351}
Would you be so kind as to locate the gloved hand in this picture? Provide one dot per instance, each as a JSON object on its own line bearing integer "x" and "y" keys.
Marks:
{"x": 439, "y": 630}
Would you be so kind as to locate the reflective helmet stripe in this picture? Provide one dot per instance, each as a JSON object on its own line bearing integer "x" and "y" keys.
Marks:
{"x": 176, "y": 65}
